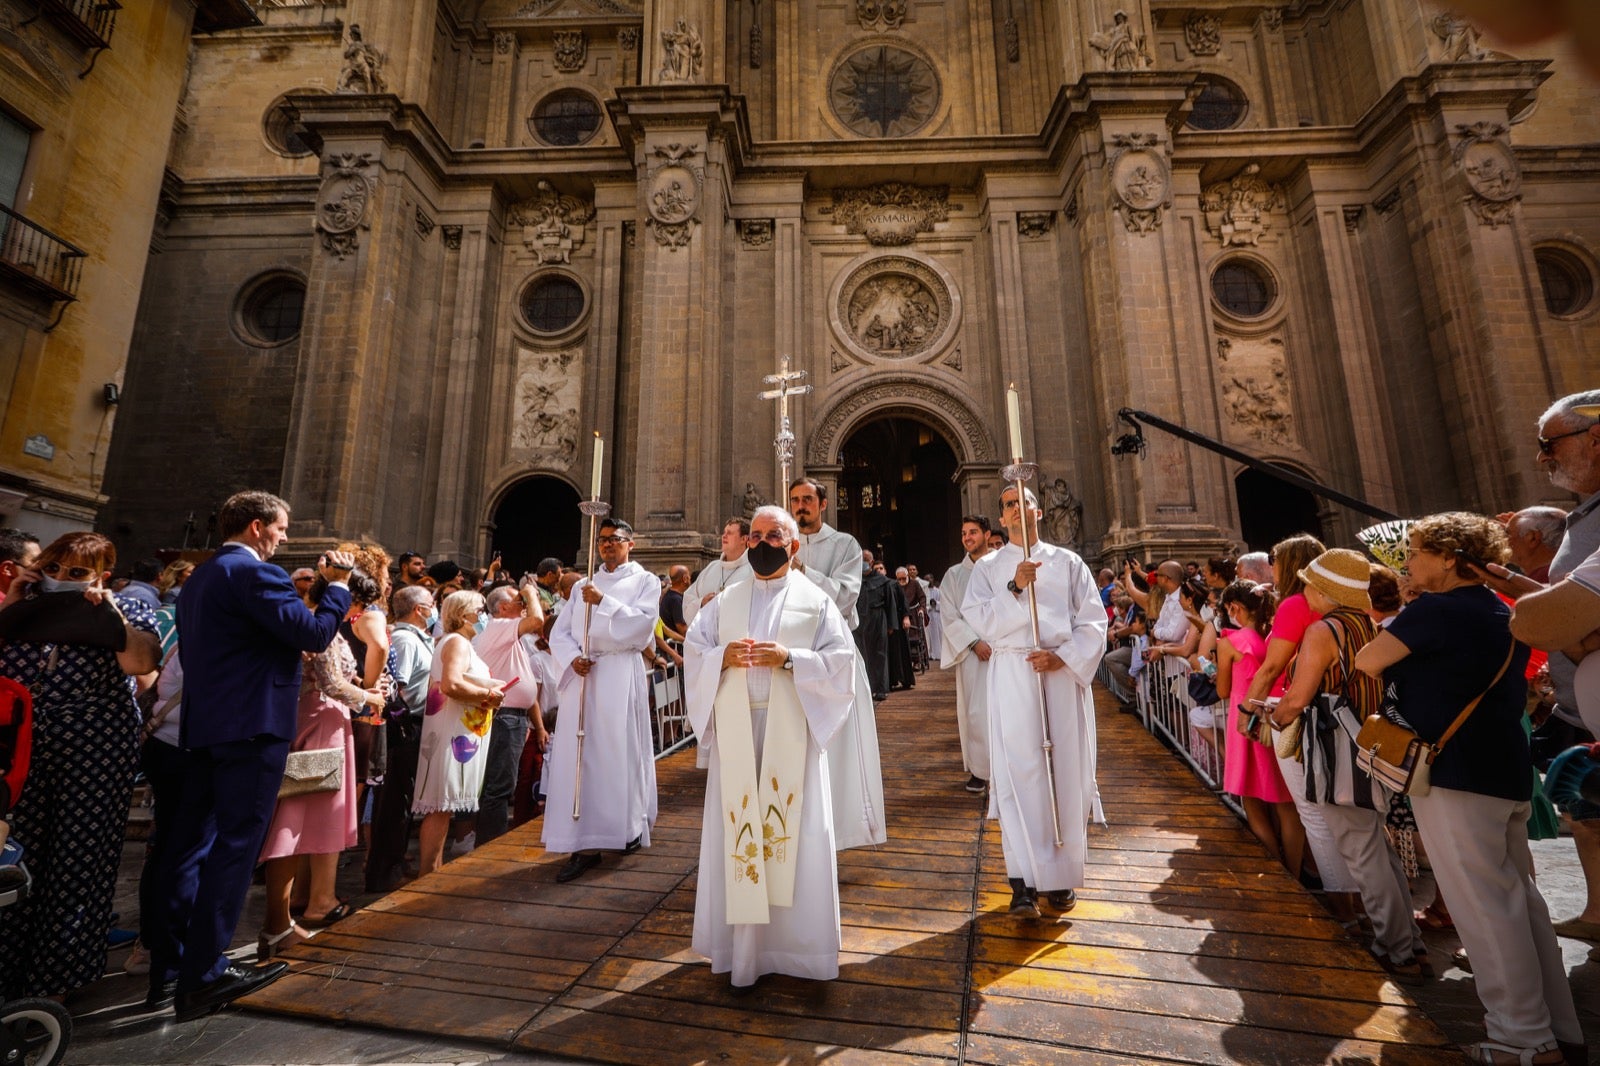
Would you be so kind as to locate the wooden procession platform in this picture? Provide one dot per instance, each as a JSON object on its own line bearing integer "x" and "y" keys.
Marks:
{"x": 1187, "y": 945}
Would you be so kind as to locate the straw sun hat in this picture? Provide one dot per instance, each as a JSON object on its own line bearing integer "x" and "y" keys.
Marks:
{"x": 1341, "y": 575}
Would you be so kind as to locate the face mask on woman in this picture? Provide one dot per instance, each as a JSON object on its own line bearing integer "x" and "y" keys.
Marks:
{"x": 50, "y": 584}
{"x": 481, "y": 624}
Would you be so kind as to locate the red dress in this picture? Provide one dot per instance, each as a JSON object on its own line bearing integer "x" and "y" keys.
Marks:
{"x": 1250, "y": 769}
{"x": 321, "y": 823}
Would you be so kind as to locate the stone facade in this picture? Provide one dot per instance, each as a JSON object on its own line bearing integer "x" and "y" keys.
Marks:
{"x": 89, "y": 95}
{"x": 1315, "y": 232}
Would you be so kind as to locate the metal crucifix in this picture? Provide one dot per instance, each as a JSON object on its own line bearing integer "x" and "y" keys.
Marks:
{"x": 787, "y": 384}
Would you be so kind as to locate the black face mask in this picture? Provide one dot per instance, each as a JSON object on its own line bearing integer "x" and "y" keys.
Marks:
{"x": 767, "y": 559}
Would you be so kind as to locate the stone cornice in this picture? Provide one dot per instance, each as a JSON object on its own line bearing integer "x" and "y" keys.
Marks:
{"x": 637, "y": 108}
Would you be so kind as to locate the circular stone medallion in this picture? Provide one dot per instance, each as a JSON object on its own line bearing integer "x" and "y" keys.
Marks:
{"x": 674, "y": 194}
{"x": 894, "y": 308}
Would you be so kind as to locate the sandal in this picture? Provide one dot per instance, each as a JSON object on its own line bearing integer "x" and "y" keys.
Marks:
{"x": 272, "y": 944}
{"x": 342, "y": 911}
{"x": 1432, "y": 920}
{"x": 1494, "y": 1054}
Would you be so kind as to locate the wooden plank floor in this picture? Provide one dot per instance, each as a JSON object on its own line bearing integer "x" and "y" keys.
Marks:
{"x": 1188, "y": 944}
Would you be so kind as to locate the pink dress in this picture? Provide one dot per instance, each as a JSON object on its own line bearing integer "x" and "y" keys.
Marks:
{"x": 321, "y": 823}
{"x": 1250, "y": 769}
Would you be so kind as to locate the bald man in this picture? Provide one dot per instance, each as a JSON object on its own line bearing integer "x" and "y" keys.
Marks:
{"x": 672, "y": 618}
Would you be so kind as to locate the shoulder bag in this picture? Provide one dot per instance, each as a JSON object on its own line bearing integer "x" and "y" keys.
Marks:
{"x": 1400, "y": 760}
{"x": 318, "y": 770}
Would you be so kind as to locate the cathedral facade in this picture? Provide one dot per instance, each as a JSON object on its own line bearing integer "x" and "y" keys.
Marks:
{"x": 414, "y": 256}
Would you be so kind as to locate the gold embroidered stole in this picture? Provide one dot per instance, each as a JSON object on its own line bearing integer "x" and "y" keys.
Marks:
{"x": 763, "y": 808}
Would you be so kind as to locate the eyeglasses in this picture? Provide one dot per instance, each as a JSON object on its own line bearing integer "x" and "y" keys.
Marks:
{"x": 1547, "y": 445}
{"x": 72, "y": 573}
{"x": 773, "y": 537}
{"x": 611, "y": 540}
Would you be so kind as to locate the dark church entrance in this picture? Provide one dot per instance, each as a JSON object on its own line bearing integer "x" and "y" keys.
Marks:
{"x": 897, "y": 495}
{"x": 536, "y": 519}
{"x": 1270, "y": 510}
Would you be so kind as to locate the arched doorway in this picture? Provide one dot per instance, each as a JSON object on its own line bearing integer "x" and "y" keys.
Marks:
{"x": 1270, "y": 510}
{"x": 896, "y": 493}
{"x": 537, "y": 519}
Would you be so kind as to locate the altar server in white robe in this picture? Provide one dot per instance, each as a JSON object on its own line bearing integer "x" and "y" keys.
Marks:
{"x": 1072, "y": 638}
{"x": 832, "y": 560}
{"x": 731, "y": 566}
{"x": 621, "y": 602}
{"x": 962, "y": 650}
{"x": 770, "y": 668}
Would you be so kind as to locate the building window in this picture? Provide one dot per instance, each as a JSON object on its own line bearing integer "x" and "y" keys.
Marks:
{"x": 884, "y": 92}
{"x": 566, "y": 117}
{"x": 14, "y": 140}
{"x": 1566, "y": 279}
{"x": 284, "y": 131}
{"x": 271, "y": 309}
{"x": 1220, "y": 106}
{"x": 553, "y": 303}
{"x": 1242, "y": 288}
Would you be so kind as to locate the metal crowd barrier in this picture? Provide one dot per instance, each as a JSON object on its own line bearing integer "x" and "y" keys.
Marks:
{"x": 669, "y": 712}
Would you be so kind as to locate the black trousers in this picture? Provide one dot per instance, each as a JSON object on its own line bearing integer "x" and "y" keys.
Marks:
{"x": 391, "y": 810}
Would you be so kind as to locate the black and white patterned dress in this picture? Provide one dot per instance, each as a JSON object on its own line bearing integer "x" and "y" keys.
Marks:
{"x": 73, "y": 812}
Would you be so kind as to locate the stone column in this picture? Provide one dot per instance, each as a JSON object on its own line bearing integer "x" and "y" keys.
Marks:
{"x": 502, "y": 81}
{"x": 1276, "y": 72}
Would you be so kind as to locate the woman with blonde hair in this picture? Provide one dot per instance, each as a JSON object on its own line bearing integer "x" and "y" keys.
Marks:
{"x": 454, "y": 749}
{"x": 172, "y": 579}
{"x": 1450, "y": 649}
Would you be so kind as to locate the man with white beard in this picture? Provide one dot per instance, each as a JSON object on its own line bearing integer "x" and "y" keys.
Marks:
{"x": 714, "y": 577}
{"x": 769, "y": 668}
{"x": 961, "y": 649}
{"x": 832, "y": 560}
{"x": 1072, "y": 638}
{"x": 604, "y": 687}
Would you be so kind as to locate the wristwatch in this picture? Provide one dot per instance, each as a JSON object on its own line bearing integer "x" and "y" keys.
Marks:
{"x": 1013, "y": 587}
{"x": 788, "y": 662}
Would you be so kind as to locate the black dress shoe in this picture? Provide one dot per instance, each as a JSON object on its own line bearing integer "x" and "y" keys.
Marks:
{"x": 235, "y": 981}
{"x": 1024, "y": 901}
{"x": 633, "y": 845}
{"x": 160, "y": 995}
{"x": 576, "y": 866}
{"x": 976, "y": 784}
{"x": 1063, "y": 901}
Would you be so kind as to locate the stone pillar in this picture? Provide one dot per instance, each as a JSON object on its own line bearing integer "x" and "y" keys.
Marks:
{"x": 502, "y": 80}
{"x": 687, "y": 142}
{"x": 1276, "y": 73}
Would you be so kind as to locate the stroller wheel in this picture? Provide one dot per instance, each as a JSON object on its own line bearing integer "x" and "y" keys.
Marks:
{"x": 34, "y": 1032}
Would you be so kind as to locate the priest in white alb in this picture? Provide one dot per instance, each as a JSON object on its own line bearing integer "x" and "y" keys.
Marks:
{"x": 962, "y": 650}
{"x": 832, "y": 560}
{"x": 1072, "y": 638}
{"x": 604, "y": 688}
{"x": 769, "y": 668}
{"x": 731, "y": 566}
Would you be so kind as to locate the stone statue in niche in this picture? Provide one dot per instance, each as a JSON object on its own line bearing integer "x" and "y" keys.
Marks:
{"x": 1460, "y": 39}
{"x": 751, "y": 499}
{"x": 1121, "y": 44}
{"x": 682, "y": 52}
{"x": 545, "y": 419}
{"x": 894, "y": 314}
{"x": 1063, "y": 514}
{"x": 363, "y": 65}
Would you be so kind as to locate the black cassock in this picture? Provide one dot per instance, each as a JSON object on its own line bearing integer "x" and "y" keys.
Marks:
{"x": 872, "y": 633}
{"x": 901, "y": 673}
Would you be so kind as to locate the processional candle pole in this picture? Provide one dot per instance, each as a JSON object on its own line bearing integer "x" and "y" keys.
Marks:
{"x": 1019, "y": 472}
{"x": 596, "y": 509}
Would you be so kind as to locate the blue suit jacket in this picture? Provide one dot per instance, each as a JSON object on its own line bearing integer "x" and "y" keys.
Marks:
{"x": 242, "y": 628}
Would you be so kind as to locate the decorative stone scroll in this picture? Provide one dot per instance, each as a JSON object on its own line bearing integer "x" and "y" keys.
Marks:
{"x": 1141, "y": 181}
{"x": 881, "y": 15}
{"x": 889, "y": 394}
{"x": 571, "y": 50}
{"x": 343, "y": 202}
{"x": 1490, "y": 170}
{"x": 1237, "y": 211}
{"x": 544, "y": 424}
{"x": 681, "y": 53}
{"x": 553, "y": 225}
{"x": 1254, "y": 376}
{"x": 891, "y": 214}
{"x": 756, "y": 232}
{"x": 672, "y": 194}
{"x": 1203, "y": 34}
{"x": 894, "y": 308}
{"x": 1033, "y": 225}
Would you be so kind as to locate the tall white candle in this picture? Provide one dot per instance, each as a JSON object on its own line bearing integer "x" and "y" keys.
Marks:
{"x": 1014, "y": 421}
{"x": 599, "y": 452}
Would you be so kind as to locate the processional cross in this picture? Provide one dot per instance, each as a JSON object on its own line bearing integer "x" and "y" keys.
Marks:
{"x": 787, "y": 384}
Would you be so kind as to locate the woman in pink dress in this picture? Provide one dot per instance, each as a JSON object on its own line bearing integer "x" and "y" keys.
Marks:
{"x": 1251, "y": 769}
{"x": 310, "y": 830}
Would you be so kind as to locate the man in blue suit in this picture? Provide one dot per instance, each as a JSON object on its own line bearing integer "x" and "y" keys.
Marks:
{"x": 242, "y": 628}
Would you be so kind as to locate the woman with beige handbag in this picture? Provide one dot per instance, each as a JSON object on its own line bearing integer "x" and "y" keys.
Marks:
{"x": 1442, "y": 653}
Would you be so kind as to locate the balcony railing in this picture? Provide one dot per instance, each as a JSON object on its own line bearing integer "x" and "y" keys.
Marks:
{"x": 33, "y": 258}
{"x": 91, "y": 22}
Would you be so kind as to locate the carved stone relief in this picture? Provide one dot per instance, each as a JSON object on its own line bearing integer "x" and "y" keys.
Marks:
{"x": 1203, "y": 34}
{"x": 900, "y": 392}
{"x": 362, "y": 71}
{"x": 891, "y": 214}
{"x": 1490, "y": 170}
{"x": 451, "y": 236}
{"x": 681, "y": 52}
{"x": 894, "y": 307}
{"x": 1013, "y": 35}
{"x": 504, "y": 43}
{"x": 1063, "y": 513}
{"x": 1121, "y": 45}
{"x": 540, "y": 8}
{"x": 755, "y": 34}
{"x": 1071, "y": 210}
{"x": 1237, "y": 211}
{"x": 571, "y": 50}
{"x": 673, "y": 194}
{"x": 553, "y": 225}
{"x": 837, "y": 360}
{"x": 424, "y": 224}
{"x": 953, "y": 360}
{"x": 756, "y": 232}
{"x": 343, "y": 202}
{"x": 1032, "y": 225}
{"x": 544, "y": 425}
{"x": 881, "y": 15}
{"x": 1272, "y": 19}
{"x": 1141, "y": 180}
{"x": 1254, "y": 376}
{"x": 1459, "y": 39}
